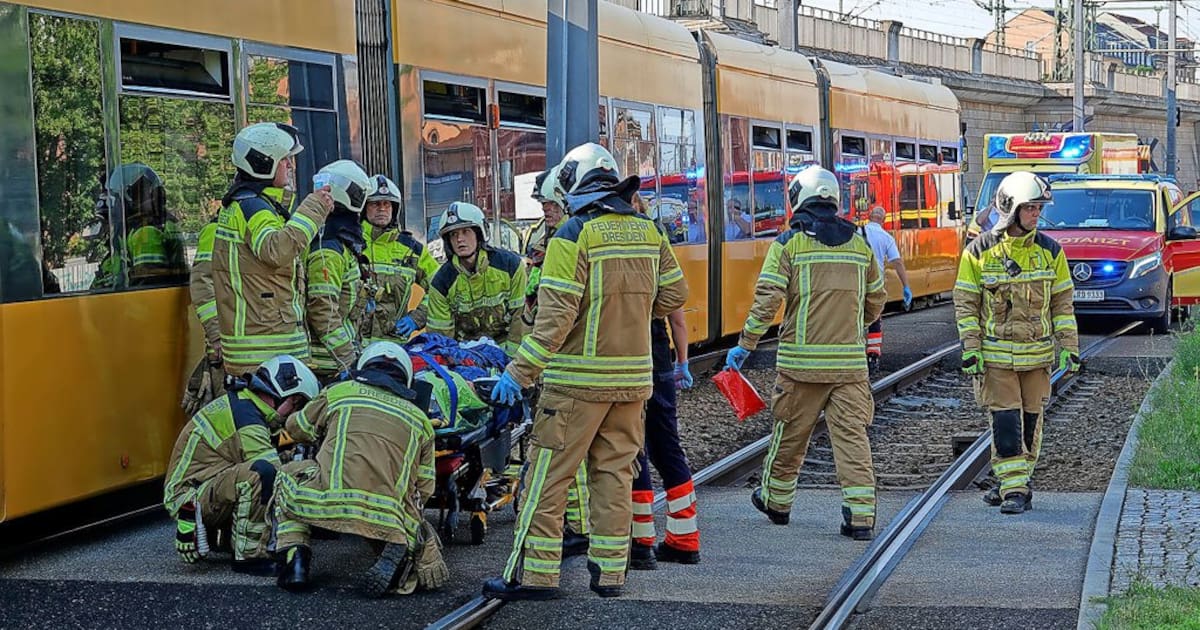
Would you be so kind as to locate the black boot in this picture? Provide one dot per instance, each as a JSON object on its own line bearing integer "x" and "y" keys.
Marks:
{"x": 667, "y": 553}
{"x": 641, "y": 557}
{"x": 992, "y": 497}
{"x": 573, "y": 544}
{"x": 294, "y": 574}
{"x": 855, "y": 532}
{"x": 389, "y": 570}
{"x": 497, "y": 588}
{"x": 603, "y": 591}
{"x": 779, "y": 518}
{"x": 1015, "y": 503}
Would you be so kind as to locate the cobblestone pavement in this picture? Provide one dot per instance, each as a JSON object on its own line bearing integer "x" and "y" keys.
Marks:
{"x": 1158, "y": 539}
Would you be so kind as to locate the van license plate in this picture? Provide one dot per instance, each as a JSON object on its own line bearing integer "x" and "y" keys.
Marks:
{"x": 1089, "y": 295}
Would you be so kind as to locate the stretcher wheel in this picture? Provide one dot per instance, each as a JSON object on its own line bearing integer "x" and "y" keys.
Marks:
{"x": 478, "y": 527}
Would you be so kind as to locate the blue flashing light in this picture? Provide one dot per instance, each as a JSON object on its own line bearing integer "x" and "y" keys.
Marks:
{"x": 998, "y": 147}
{"x": 851, "y": 168}
{"x": 1108, "y": 268}
{"x": 1076, "y": 146}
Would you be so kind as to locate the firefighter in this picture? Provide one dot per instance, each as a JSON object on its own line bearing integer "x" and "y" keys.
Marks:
{"x": 256, "y": 254}
{"x": 373, "y": 473}
{"x": 1012, "y": 301}
{"x": 608, "y": 272}
{"x": 397, "y": 263}
{"x": 821, "y": 269}
{"x": 883, "y": 245}
{"x": 222, "y": 471}
{"x": 546, "y": 192}
{"x": 662, "y": 448}
{"x": 333, "y": 271}
{"x": 480, "y": 290}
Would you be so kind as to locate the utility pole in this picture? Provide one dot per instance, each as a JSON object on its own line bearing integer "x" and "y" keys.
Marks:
{"x": 572, "y": 77}
{"x": 1172, "y": 106}
{"x": 787, "y": 24}
{"x": 998, "y": 10}
{"x": 1077, "y": 113}
{"x": 1062, "y": 66}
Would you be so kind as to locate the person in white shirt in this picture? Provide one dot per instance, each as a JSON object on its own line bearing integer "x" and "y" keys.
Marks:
{"x": 886, "y": 254}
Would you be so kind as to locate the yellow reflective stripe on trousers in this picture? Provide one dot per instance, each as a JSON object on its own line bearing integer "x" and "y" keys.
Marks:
{"x": 537, "y": 482}
{"x": 770, "y": 486}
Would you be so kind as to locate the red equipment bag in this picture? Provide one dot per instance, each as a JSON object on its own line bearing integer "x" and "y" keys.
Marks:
{"x": 739, "y": 392}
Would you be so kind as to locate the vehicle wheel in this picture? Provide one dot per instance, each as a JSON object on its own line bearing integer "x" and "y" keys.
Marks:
{"x": 478, "y": 528}
{"x": 1162, "y": 325}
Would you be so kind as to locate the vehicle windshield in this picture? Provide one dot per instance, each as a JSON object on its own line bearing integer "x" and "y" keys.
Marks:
{"x": 987, "y": 192}
{"x": 1099, "y": 208}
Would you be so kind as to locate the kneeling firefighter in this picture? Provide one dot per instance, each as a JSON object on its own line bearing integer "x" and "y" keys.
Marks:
{"x": 373, "y": 473}
{"x": 222, "y": 469}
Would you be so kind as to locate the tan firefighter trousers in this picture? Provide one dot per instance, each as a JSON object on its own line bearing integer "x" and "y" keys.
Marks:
{"x": 849, "y": 409}
{"x": 607, "y": 435}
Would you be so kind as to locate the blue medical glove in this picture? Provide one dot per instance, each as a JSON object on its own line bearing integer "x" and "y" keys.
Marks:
{"x": 405, "y": 327}
{"x": 683, "y": 377}
{"x": 344, "y": 375}
{"x": 907, "y": 297}
{"x": 736, "y": 357}
{"x": 506, "y": 392}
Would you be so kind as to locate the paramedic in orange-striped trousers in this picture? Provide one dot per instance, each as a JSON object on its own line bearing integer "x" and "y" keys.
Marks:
{"x": 682, "y": 541}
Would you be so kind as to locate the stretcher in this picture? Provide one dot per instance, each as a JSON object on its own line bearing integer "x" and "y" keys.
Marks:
{"x": 477, "y": 470}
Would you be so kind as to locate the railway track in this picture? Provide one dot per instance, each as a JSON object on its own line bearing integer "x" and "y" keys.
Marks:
{"x": 860, "y": 583}
{"x": 728, "y": 470}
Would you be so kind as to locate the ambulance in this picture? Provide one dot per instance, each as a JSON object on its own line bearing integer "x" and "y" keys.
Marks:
{"x": 1046, "y": 153}
{"x": 1130, "y": 243}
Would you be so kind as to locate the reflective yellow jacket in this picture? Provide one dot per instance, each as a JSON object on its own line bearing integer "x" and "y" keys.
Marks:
{"x": 200, "y": 286}
{"x": 829, "y": 295}
{"x": 398, "y": 261}
{"x": 606, "y": 275}
{"x": 256, "y": 277}
{"x": 334, "y": 280}
{"x": 1015, "y": 319}
{"x": 487, "y": 302}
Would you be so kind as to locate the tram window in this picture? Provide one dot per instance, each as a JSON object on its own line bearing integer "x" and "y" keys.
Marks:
{"x": 163, "y": 66}
{"x": 680, "y": 202}
{"x": 520, "y": 152}
{"x": 766, "y": 137}
{"x": 275, "y": 81}
{"x": 735, "y": 138}
{"x": 770, "y": 213}
{"x": 455, "y": 101}
{"x": 929, "y": 153}
{"x": 75, "y": 230}
{"x": 175, "y": 169}
{"x": 523, "y": 109}
{"x": 853, "y": 145}
{"x": 906, "y": 151}
{"x": 949, "y": 155}
{"x": 604, "y": 125}
{"x": 300, "y": 94}
{"x": 635, "y": 124}
{"x": 798, "y": 140}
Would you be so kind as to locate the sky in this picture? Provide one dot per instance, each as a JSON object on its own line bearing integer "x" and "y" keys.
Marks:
{"x": 964, "y": 18}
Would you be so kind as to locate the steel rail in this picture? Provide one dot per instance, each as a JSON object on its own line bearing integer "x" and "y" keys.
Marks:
{"x": 860, "y": 583}
{"x": 479, "y": 609}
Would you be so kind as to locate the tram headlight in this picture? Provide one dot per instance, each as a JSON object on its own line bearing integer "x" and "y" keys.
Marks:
{"x": 1144, "y": 265}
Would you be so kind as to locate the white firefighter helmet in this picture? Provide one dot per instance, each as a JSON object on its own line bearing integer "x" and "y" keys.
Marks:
{"x": 1015, "y": 190}
{"x": 388, "y": 351}
{"x": 586, "y": 164}
{"x": 811, "y": 185}
{"x": 348, "y": 182}
{"x": 257, "y": 149}
{"x": 384, "y": 189}
{"x": 284, "y": 376}
{"x": 461, "y": 214}
{"x": 546, "y": 187}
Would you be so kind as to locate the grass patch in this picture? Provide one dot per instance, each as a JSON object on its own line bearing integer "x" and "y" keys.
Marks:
{"x": 1147, "y": 608}
{"x": 1169, "y": 438}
